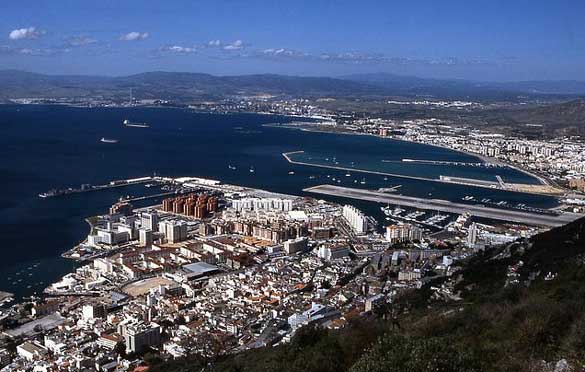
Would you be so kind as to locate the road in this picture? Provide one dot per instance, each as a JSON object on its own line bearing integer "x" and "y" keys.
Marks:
{"x": 516, "y": 216}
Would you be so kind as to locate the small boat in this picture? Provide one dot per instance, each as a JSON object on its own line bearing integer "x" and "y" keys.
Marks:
{"x": 363, "y": 181}
{"x": 108, "y": 140}
{"x": 231, "y": 167}
{"x": 347, "y": 174}
{"x": 291, "y": 173}
{"x": 251, "y": 169}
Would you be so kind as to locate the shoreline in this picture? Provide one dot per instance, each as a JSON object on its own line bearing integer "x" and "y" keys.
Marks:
{"x": 485, "y": 159}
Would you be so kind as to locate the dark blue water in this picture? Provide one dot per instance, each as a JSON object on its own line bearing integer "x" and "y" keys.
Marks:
{"x": 375, "y": 157}
{"x": 44, "y": 147}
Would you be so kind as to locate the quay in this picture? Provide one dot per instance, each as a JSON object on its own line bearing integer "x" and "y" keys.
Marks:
{"x": 357, "y": 170}
{"x": 444, "y": 162}
{"x": 498, "y": 184}
{"x": 88, "y": 188}
{"x": 529, "y": 218}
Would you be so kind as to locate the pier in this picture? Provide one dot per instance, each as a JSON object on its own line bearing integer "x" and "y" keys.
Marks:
{"x": 517, "y": 187}
{"x": 89, "y": 188}
{"x": 444, "y": 162}
{"x": 357, "y": 170}
{"x": 529, "y": 218}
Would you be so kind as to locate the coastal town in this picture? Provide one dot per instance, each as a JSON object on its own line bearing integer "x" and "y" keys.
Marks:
{"x": 293, "y": 186}
{"x": 219, "y": 268}
{"x": 212, "y": 269}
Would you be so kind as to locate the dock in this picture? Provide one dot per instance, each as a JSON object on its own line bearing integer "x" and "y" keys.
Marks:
{"x": 544, "y": 189}
{"x": 445, "y": 162}
{"x": 89, "y": 188}
{"x": 524, "y": 217}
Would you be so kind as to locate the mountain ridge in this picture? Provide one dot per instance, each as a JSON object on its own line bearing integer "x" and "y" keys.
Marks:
{"x": 192, "y": 86}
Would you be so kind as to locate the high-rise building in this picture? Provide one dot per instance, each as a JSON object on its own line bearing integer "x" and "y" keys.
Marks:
{"x": 139, "y": 336}
{"x": 93, "y": 311}
{"x": 145, "y": 237}
{"x": 356, "y": 219}
{"x": 332, "y": 252}
{"x": 472, "y": 235}
{"x": 292, "y": 246}
{"x": 266, "y": 204}
{"x": 174, "y": 231}
{"x": 403, "y": 233}
{"x": 149, "y": 220}
{"x": 122, "y": 207}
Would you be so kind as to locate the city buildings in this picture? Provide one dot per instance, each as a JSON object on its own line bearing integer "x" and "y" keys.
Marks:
{"x": 215, "y": 281}
{"x": 356, "y": 219}
{"x": 403, "y": 233}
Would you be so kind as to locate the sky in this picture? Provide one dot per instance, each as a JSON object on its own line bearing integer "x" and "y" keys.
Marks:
{"x": 479, "y": 40}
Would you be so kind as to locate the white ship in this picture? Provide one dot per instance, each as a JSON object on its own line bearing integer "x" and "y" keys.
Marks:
{"x": 108, "y": 140}
{"x": 128, "y": 123}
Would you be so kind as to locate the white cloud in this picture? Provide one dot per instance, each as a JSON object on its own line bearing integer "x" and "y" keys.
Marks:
{"x": 77, "y": 41}
{"x": 283, "y": 53}
{"x": 134, "y": 36}
{"x": 236, "y": 45}
{"x": 25, "y": 33}
{"x": 178, "y": 49}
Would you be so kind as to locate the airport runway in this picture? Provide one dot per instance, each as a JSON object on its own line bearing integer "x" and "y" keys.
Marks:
{"x": 516, "y": 216}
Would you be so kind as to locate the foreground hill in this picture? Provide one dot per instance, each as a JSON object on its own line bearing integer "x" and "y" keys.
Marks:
{"x": 521, "y": 308}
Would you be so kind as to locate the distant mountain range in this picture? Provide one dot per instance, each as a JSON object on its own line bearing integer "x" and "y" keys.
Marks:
{"x": 189, "y": 87}
{"x": 177, "y": 86}
{"x": 410, "y": 85}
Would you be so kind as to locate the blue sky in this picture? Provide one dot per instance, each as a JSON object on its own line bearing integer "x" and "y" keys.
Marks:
{"x": 479, "y": 40}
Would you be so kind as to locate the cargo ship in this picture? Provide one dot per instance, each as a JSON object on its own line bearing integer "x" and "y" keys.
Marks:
{"x": 108, "y": 140}
{"x": 128, "y": 123}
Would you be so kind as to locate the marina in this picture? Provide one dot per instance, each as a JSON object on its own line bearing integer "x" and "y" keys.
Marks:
{"x": 550, "y": 219}
{"x": 429, "y": 219}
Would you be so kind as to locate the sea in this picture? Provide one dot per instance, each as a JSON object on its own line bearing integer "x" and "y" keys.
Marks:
{"x": 48, "y": 146}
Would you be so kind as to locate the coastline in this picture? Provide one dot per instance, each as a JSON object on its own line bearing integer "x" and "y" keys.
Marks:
{"x": 485, "y": 159}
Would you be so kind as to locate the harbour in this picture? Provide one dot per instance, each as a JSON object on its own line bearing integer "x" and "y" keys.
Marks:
{"x": 498, "y": 184}
{"x": 190, "y": 143}
{"x": 549, "y": 220}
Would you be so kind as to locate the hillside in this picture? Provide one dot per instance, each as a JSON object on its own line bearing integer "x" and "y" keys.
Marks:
{"x": 190, "y": 87}
{"x": 522, "y": 308}
{"x": 458, "y": 88}
{"x": 567, "y": 118}
{"x": 178, "y": 86}
{"x": 438, "y": 88}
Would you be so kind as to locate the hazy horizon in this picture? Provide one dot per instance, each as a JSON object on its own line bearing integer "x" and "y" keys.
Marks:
{"x": 484, "y": 41}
